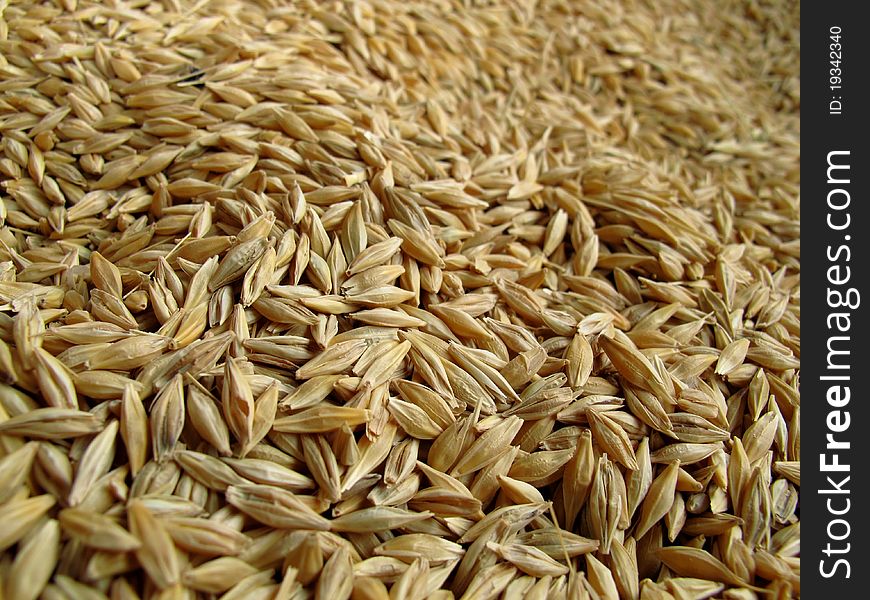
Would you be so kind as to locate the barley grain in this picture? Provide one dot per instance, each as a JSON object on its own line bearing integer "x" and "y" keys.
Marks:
{"x": 399, "y": 300}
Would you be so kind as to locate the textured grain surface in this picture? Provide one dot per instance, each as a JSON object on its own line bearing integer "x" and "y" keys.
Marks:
{"x": 399, "y": 299}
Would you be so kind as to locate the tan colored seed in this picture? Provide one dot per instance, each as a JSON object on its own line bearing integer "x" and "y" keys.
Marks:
{"x": 389, "y": 301}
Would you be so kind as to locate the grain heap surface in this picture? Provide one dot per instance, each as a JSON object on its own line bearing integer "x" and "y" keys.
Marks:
{"x": 399, "y": 299}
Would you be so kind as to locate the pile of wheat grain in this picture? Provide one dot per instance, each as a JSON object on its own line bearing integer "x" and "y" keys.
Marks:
{"x": 399, "y": 299}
